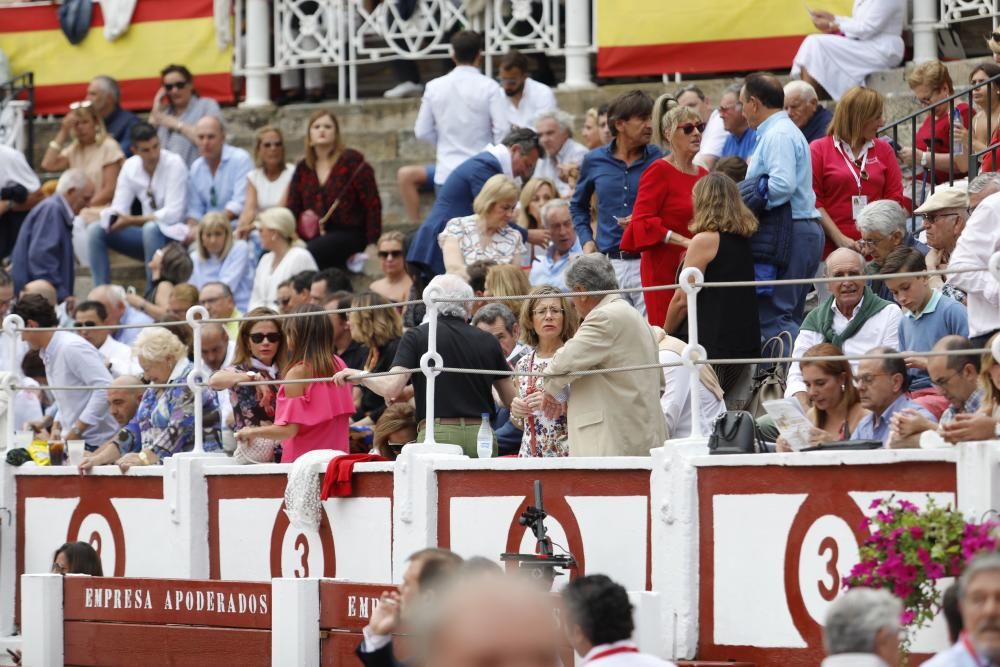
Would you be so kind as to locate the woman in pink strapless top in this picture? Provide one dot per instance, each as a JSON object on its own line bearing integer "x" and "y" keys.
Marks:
{"x": 314, "y": 415}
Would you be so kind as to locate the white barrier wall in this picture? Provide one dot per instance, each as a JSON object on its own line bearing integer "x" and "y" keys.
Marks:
{"x": 743, "y": 553}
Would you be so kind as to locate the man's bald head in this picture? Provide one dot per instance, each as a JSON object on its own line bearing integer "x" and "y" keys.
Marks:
{"x": 848, "y": 255}
{"x": 211, "y": 136}
{"x": 43, "y": 287}
{"x": 214, "y": 345}
{"x": 124, "y": 402}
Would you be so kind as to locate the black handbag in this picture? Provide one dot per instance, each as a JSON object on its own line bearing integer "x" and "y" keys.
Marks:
{"x": 735, "y": 432}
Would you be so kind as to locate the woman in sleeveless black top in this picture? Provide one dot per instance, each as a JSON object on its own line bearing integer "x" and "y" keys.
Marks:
{"x": 728, "y": 321}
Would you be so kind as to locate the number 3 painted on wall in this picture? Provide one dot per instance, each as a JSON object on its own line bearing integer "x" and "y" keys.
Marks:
{"x": 830, "y": 592}
{"x": 302, "y": 541}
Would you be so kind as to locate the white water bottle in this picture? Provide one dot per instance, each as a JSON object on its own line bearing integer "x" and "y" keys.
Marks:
{"x": 484, "y": 439}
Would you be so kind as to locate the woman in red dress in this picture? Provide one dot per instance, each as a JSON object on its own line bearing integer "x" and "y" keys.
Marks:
{"x": 662, "y": 213}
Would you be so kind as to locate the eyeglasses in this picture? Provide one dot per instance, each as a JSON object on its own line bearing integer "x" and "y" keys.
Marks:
{"x": 931, "y": 218}
{"x": 995, "y": 36}
{"x": 726, "y": 108}
{"x": 270, "y": 337}
{"x": 84, "y": 323}
{"x": 209, "y": 301}
{"x": 82, "y": 104}
{"x": 865, "y": 380}
{"x": 271, "y": 144}
{"x": 548, "y": 310}
{"x": 385, "y": 254}
{"x": 285, "y": 301}
{"x": 943, "y": 382}
{"x": 691, "y": 127}
{"x": 174, "y": 86}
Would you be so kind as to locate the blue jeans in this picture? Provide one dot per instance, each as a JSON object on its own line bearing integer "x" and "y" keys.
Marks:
{"x": 132, "y": 241}
{"x": 782, "y": 309}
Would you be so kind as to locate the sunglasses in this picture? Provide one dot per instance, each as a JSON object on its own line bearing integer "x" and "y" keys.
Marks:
{"x": 85, "y": 323}
{"x": 84, "y": 104}
{"x": 271, "y": 144}
{"x": 285, "y": 301}
{"x": 174, "y": 86}
{"x": 995, "y": 36}
{"x": 385, "y": 254}
{"x": 691, "y": 127}
{"x": 272, "y": 337}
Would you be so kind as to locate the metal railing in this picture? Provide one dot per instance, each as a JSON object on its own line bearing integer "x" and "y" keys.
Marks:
{"x": 431, "y": 362}
{"x": 908, "y": 126}
{"x": 346, "y": 34}
{"x": 17, "y": 110}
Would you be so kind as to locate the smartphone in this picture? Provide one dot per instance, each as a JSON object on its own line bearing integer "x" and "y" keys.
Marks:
{"x": 895, "y": 146}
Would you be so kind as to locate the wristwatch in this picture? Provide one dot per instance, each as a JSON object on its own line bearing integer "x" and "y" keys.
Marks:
{"x": 924, "y": 159}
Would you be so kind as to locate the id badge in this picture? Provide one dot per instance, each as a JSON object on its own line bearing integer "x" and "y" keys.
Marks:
{"x": 858, "y": 202}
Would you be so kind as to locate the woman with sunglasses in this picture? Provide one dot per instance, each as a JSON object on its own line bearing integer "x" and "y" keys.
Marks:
{"x": 313, "y": 414}
{"x": 658, "y": 227}
{"x": 92, "y": 149}
{"x": 396, "y": 428}
{"x": 852, "y": 167}
{"x": 176, "y": 108}
{"x": 267, "y": 185}
{"x": 931, "y": 83}
{"x": 395, "y": 282}
{"x": 548, "y": 320}
{"x": 260, "y": 354}
{"x": 379, "y": 330}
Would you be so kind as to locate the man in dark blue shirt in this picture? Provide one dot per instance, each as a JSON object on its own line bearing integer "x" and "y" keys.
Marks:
{"x": 613, "y": 172}
{"x": 104, "y": 94}
{"x": 803, "y": 107}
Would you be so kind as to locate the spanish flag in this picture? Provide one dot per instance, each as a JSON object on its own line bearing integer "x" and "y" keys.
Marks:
{"x": 161, "y": 32}
{"x": 643, "y": 37}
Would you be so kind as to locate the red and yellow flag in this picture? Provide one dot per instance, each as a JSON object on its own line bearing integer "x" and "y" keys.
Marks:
{"x": 161, "y": 32}
{"x": 643, "y": 37}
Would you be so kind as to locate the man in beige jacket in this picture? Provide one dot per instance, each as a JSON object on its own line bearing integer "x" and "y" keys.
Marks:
{"x": 610, "y": 414}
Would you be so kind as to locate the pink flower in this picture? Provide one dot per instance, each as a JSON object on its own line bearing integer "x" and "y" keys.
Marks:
{"x": 907, "y": 617}
{"x": 908, "y": 506}
{"x": 916, "y": 532}
{"x": 875, "y": 503}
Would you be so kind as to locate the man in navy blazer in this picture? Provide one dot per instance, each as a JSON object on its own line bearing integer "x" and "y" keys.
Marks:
{"x": 44, "y": 247}
{"x": 515, "y": 156}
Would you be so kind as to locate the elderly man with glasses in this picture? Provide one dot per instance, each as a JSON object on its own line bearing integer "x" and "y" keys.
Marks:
{"x": 882, "y": 386}
{"x": 882, "y": 225}
{"x": 945, "y": 213}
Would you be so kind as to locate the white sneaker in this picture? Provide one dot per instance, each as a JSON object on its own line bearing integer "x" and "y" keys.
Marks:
{"x": 405, "y": 89}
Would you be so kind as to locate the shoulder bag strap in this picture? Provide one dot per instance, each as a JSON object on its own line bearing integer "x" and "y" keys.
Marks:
{"x": 336, "y": 202}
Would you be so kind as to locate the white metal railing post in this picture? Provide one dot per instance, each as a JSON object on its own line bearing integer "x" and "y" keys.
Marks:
{"x": 578, "y": 46}
{"x": 12, "y": 325}
{"x": 432, "y": 354}
{"x": 924, "y": 24}
{"x": 994, "y": 266}
{"x": 257, "y": 58}
{"x": 693, "y": 351}
{"x": 197, "y": 377}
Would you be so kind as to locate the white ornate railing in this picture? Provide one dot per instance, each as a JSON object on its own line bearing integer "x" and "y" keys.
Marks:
{"x": 344, "y": 34}
{"x": 955, "y": 11}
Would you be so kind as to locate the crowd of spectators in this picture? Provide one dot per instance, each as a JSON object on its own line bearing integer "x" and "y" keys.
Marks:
{"x": 768, "y": 183}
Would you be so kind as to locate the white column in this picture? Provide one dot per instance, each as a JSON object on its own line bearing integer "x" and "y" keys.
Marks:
{"x": 295, "y": 622}
{"x": 578, "y": 37}
{"x": 924, "y": 30}
{"x": 257, "y": 41}
{"x": 42, "y": 620}
{"x": 198, "y": 376}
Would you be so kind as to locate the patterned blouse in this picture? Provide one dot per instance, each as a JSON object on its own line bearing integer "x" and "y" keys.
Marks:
{"x": 502, "y": 248}
{"x": 164, "y": 421}
{"x": 360, "y": 206}
{"x": 248, "y": 410}
{"x": 551, "y": 435}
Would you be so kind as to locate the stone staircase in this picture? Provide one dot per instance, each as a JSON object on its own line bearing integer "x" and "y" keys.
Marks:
{"x": 383, "y": 131}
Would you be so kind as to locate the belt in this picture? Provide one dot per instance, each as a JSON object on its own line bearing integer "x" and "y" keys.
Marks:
{"x": 451, "y": 421}
{"x": 618, "y": 254}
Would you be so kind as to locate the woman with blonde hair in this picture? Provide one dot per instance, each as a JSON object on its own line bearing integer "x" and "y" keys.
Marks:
{"x": 658, "y": 226}
{"x": 284, "y": 256}
{"x": 487, "y": 233}
{"x": 395, "y": 283}
{"x": 218, "y": 257}
{"x": 931, "y": 83}
{"x": 92, "y": 150}
{"x": 590, "y": 136}
{"x": 379, "y": 330}
{"x": 728, "y": 322}
{"x": 308, "y": 415}
{"x": 852, "y": 162}
{"x": 267, "y": 185}
{"x": 334, "y": 186}
{"x": 534, "y": 195}
{"x": 507, "y": 280}
{"x": 835, "y": 403}
{"x": 548, "y": 320}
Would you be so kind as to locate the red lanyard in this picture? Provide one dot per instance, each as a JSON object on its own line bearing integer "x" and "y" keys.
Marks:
{"x": 971, "y": 649}
{"x": 613, "y": 651}
{"x": 859, "y": 175}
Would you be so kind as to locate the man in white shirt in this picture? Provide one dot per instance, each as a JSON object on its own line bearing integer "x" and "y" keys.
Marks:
{"x": 158, "y": 179}
{"x": 676, "y": 399}
{"x": 862, "y": 629}
{"x": 463, "y": 111}
{"x": 118, "y": 357}
{"x": 978, "y": 241}
{"x": 715, "y": 135}
{"x": 599, "y": 625}
{"x": 854, "y": 319}
{"x": 69, "y": 361}
{"x": 555, "y": 133}
{"x": 526, "y": 98}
